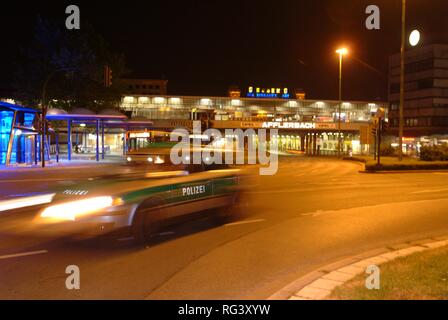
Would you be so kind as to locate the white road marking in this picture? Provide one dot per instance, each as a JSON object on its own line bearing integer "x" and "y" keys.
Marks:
{"x": 243, "y": 222}
{"x": 314, "y": 214}
{"x": 164, "y": 234}
{"x": 24, "y": 254}
{"x": 126, "y": 239}
{"x": 32, "y": 180}
{"x": 430, "y": 191}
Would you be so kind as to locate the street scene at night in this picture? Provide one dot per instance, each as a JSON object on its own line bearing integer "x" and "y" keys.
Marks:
{"x": 202, "y": 152}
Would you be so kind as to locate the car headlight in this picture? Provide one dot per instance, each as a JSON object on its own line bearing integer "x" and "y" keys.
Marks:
{"x": 129, "y": 159}
{"x": 159, "y": 160}
{"x": 150, "y": 159}
{"x": 75, "y": 209}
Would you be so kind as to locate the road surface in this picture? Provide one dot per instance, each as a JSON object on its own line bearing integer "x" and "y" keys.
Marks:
{"x": 312, "y": 213}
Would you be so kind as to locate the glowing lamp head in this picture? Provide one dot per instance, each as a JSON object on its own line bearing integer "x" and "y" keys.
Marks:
{"x": 414, "y": 38}
{"x": 342, "y": 51}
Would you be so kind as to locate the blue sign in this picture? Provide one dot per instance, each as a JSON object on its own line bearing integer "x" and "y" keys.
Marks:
{"x": 273, "y": 93}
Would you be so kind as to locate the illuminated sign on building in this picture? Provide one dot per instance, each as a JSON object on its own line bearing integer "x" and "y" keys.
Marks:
{"x": 298, "y": 125}
{"x": 289, "y": 125}
{"x": 273, "y": 93}
{"x": 140, "y": 135}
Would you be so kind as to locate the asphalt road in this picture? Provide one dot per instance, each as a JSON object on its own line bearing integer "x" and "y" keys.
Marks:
{"x": 312, "y": 213}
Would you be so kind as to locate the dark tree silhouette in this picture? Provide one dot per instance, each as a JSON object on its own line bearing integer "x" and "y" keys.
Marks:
{"x": 72, "y": 62}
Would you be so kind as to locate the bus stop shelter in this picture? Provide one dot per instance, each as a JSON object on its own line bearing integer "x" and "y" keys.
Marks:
{"x": 100, "y": 122}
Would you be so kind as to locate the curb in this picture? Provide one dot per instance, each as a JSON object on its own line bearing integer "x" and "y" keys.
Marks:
{"x": 402, "y": 171}
{"x": 319, "y": 284}
{"x": 56, "y": 167}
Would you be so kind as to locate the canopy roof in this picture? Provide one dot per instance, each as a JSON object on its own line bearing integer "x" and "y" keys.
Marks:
{"x": 111, "y": 118}
{"x": 16, "y": 107}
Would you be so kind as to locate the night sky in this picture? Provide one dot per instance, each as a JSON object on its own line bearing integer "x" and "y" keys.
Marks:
{"x": 204, "y": 46}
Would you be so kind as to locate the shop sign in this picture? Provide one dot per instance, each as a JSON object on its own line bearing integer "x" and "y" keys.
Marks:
{"x": 289, "y": 125}
{"x": 139, "y": 135}
{"x": 325, "y": 126}
{"x": 276, "y": 93}
{"x": 248, "y": 124}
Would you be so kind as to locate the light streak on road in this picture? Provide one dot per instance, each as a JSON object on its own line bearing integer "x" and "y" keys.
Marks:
{"x": 72, "y": 210}
{"x": 23, "y": 254}
{"x": 24, "y": 202}
{"x": 243, "y": 222}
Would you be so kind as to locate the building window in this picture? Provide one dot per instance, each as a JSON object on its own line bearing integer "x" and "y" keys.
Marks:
{"x": 411, "y": 122}
{"x": 394, "y": 88}
{"x": 420, "y": 66}
{"x": 425, "y": 84}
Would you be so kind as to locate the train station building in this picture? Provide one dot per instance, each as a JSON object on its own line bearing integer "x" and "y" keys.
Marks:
{"x": 308, "y": 126}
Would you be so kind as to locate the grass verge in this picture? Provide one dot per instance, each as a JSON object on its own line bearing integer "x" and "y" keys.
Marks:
{"x": 392, "y": 164}
{"x": 421, "y": 276}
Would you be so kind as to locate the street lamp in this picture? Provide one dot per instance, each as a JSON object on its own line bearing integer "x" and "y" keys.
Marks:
{"x": 341, "y": 52}
{"x": 414, "y": 38}
{"x": 402, "y": 56}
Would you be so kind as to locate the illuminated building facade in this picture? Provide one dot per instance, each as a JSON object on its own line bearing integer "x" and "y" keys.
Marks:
{"x": 309, "y": 126}
{"x": 19, "y": 138}
{"x": 131, "y": 86}
{"x": 426, "y": 96}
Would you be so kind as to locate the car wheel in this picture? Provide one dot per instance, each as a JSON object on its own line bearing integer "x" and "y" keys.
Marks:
{"x": 144, "y": 227}
{"x": 231, "y": 212}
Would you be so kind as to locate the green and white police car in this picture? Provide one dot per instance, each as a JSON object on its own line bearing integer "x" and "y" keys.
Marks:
{"x": 139, "y": 203}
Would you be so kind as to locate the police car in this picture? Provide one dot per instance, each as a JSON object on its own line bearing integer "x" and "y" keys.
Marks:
{"x": 140, "y": 203}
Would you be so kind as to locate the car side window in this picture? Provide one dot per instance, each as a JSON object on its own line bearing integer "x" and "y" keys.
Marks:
{"x": 196, "y": 168}
{"x": 211, "y": 167}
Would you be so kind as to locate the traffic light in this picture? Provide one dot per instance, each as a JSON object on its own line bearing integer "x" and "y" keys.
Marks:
{"x": 107, "y": 76}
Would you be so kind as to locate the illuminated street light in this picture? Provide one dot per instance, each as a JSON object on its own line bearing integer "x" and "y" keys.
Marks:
{"x": 414, "y": 38}
{"x": 341, "y": 52}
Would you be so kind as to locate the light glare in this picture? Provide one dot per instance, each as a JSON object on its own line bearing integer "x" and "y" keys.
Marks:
{"x": 414, "y": 38}
{"x": 25, "y": 202}
{"x": 342, "y": 51}
{"x": 72, "y": 210}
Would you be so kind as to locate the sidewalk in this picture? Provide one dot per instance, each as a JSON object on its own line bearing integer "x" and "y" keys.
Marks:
{"x": 63, "y": 164}
{"x": 392, "y": 165}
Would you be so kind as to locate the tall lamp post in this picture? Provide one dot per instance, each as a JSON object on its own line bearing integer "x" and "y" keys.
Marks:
{"x": 402, "y": 72}
{"x": 341, "y": 52}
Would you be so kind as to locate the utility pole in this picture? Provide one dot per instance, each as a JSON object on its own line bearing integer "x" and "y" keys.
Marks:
{"x": 340, "y": 106}
{"x": 44, "y": 118}
{"x": 341, "y": 52}
{"x": 402, "y": 74}
{"x": 379, "y": 133}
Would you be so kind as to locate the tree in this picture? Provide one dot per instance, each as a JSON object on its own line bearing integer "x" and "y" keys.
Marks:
{"x": 73, "y": 63}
